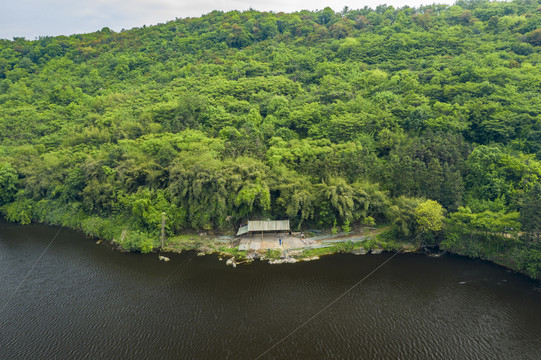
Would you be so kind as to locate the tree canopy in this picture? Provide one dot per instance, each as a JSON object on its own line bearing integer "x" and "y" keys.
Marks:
{"x": 362, "y": 116}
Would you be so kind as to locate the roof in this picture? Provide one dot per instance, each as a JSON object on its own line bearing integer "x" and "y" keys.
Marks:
{"x": 264, "y": 225}
{"x": 268, "y": 225}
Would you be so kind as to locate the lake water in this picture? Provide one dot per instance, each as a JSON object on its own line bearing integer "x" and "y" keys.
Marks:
{"x": 84, "y": 301}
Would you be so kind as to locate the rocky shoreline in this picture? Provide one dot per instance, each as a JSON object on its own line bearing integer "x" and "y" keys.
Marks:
{"x": 286, "y": 248}
{"x": 357, "y": 243}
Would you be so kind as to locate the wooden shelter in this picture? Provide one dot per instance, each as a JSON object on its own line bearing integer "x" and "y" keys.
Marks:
{"x": 263, "y": 226}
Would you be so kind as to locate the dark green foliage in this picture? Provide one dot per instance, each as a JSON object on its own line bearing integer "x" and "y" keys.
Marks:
{"x": 531, "y": 213}
{"x": 320, "y": 117}
{"x": 8, "y": 182}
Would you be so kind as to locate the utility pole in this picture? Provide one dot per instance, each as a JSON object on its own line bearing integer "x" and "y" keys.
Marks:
{"x": 163, "y": 229}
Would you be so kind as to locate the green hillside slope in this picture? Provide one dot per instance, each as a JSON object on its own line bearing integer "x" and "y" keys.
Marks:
{"x": 398, "y": 116}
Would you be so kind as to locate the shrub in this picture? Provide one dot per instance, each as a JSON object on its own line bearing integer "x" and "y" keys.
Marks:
{"x": 136, "y": 241}
{"x": 19, "y": 211}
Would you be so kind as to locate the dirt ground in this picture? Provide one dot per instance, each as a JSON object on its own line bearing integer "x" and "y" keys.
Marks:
{"x": 272, "y": 241}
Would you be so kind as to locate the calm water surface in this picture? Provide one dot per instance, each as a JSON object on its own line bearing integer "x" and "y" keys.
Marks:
{"x": 84, "y": 301}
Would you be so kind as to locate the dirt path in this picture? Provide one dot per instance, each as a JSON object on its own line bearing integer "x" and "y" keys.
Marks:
{"x": 363, "y": 234}
{"x": 296, "y": 241}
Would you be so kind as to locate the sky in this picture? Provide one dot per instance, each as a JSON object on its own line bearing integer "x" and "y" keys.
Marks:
{"x": 34, "y": 18}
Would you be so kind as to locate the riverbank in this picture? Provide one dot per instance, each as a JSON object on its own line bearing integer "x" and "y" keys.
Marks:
{"x": 288, "y": 248}
{"x": 519, "y": 256}
{"x": 125, "y": 234}
{"x": 362, "y": 241}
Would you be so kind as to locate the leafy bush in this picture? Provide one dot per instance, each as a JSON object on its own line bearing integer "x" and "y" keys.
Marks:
{"x": 273, "y": 254}
{"x": 19, "y": 211}
{"x": 136, "y": 241}
{"x": 8, "y": 183}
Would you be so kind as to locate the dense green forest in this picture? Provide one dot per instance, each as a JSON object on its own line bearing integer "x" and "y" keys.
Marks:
{"x": 396, "y": 116}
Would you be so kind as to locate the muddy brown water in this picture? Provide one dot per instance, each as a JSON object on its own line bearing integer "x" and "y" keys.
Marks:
{"x": 85, "y": 301}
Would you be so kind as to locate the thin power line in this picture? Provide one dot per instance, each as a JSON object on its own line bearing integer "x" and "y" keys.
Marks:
{"x": 179, "y": 267}
{"x": 30, "y": 271}
{"x": 338, "y": 298}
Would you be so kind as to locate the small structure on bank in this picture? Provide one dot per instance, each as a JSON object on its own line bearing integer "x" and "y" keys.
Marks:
{"x": 263, "y": 234}
{"x": 262, "y": 226}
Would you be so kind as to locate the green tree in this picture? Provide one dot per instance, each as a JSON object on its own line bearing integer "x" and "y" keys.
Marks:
{"x": 8, "y": 182}
{"x": 531, "y": 212}
{"x": 429, "y": 216}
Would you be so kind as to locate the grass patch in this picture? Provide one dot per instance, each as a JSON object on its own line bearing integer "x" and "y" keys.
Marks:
{"x": 189, "y": 242}
{"x": 319, "y": 251}
{"x": 273, "y": 254}
{"x": 346, "y": 246}
{"x": 233, "y": 251}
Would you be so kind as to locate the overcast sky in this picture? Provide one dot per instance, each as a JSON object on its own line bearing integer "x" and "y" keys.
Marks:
{"x": 34, "y": 18}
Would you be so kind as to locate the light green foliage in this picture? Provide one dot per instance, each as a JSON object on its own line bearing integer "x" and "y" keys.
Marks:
{"x": 346, "y": 227}
{"x": 334, "y": 229}
{"x": 342, "y": 247}
{"x": 369, "y": 220}
{"x": 19, "y": 211}
{"x": 136, "y": 241}
{"x": 487, "y": 221}
{"x": 429, "y": 216}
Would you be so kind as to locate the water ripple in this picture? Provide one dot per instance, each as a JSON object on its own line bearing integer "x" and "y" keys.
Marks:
{"x": 85, "y": 302}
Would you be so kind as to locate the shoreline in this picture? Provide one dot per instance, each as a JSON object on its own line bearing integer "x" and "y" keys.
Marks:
{"x": 232, "y": 260}
{"x": 232, "y": 257}
{"x": 277, "y": 248}
{"x": 372, "y": 243}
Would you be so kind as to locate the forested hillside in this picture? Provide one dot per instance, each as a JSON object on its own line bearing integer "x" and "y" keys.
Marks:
{"x": 328, "y": 119}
